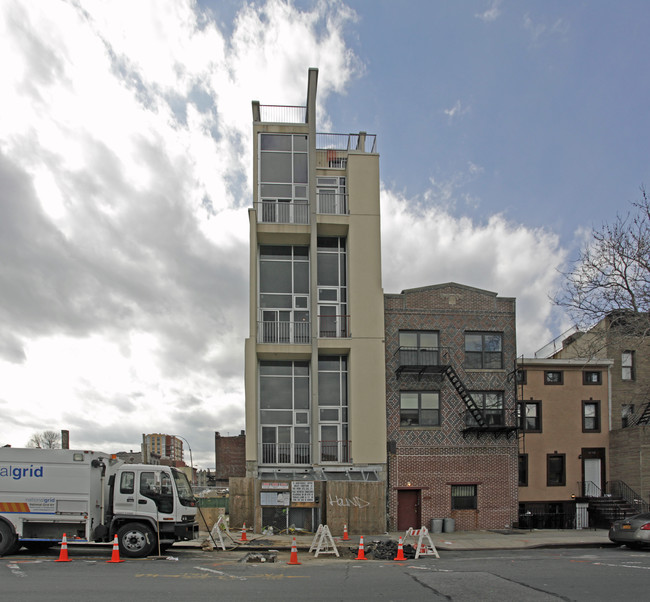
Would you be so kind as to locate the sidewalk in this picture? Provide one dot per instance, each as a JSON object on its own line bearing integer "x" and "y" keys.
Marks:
{"x": 511, "y": 539}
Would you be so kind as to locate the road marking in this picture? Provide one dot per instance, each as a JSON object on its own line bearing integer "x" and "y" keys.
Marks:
{"x": 15, "y": 569}
{"x": 201, "y": 568}
{"x": 625, "y": 566}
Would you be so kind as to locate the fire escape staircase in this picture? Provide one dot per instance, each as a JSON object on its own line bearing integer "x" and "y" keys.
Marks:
{"x": 474, "y": 410}
{"x": 644, "y": 418}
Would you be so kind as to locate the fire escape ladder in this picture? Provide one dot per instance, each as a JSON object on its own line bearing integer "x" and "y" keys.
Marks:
{"x": 645, "y": 415}
{"x": 474, "y": 410}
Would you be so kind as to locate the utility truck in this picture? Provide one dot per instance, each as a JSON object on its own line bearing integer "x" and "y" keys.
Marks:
{"x": 91, "y": 496}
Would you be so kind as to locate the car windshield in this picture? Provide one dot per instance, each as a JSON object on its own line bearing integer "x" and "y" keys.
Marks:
{"x": 185, "y": 495}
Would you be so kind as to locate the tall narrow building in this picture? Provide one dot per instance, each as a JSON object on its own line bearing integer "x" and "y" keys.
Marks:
{"x": 315, "y": 372}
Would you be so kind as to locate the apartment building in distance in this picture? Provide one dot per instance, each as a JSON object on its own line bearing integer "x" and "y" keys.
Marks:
{"x": 564, "y": 416}
{"x": 451, "y": 414}
{"x": 314, "y": 359}
{"x": 165, "y": 449}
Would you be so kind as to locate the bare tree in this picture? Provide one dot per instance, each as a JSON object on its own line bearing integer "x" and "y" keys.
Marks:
{"x": 45, "y": 440}
{"x": 611, "y": 278}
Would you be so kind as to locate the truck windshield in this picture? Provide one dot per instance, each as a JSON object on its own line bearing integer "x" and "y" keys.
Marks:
{"x": 185, "y": 495}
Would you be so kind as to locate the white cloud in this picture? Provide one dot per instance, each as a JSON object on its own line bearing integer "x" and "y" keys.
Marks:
{"x": 500, "y": 256}
{"x": 539, "y": 31}
{"x": 492, "y": 13}
{"x": 125, "y": 155}
{"x": 456, "y": 111}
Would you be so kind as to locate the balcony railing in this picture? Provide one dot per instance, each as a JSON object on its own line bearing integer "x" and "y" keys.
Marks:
{"x": 363, "y": 142}
{"x": 334, "y": 327}
{"x": 286, "y": 453}
{"x": 283, "y": 114}
{"x": 332, "y": 203}
{"x": 283, "y": 332}
{"x": 282, "y": 212}
{"x": 335, "y": 451}
{"x": 419, "y": 356}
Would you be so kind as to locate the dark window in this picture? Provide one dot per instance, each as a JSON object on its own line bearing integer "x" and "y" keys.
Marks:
{"x": 627, "y": 365}
{"x": 491, "y": 403}
{"x": 592, "y": 377}
{"x": 127, "y": 482}
{"x": 530, "y": 416}
{"x": 523, "y": 470}
{"x": 463, "y": 497}
{"x": 555, "y": 470}
{"x": 627, "y": 415}
{"x": 521, "y": 376}
{"x": 591, "y": 416}
{"x": 553, "y": 377}
{"x": 419, "y": 408}
{"x": 484, "y": 350}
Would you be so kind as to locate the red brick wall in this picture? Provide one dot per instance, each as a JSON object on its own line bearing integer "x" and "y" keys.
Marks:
{"x": 230, "y": 456}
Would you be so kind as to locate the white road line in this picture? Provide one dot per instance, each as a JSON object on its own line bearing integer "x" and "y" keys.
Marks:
{"x": 625, "y": 566}
{"x": 15, "y": 569}
{"x": 201, "y": 568}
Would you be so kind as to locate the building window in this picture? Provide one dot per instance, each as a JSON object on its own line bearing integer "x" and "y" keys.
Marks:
{"x": 464, "y": 497}
{"x": 523, "y": 470}
{"x": 555, "y": 470}
{"x": 333, "y": 408}
{"x": 521, "y": 376}
{"x": 491, "y": 404}
{"x": 418, "y": 348}
{"x": 331, "y": 277}
{"x": 592, "y": 377}
{"x": 484, "y": 350}
{"x": 530, "y": 416}
{"x": 283, "y": 178}
{"x": 627, "y": 415}
{"x": 591, "y": 416}
{"x": 284, "y": 394}
{"x": 284, "y": 294}
{"x": 419, "y": 408}
{"x": 553, "y": 377}
{"x": 627, "y": 365}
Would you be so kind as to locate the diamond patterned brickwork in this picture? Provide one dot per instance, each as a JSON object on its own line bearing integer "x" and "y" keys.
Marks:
{"x": 432, "y": 458}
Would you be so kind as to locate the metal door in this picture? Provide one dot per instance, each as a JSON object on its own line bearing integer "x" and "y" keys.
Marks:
{"x": 408, "y": 509}
{"x": 592, "y": 469}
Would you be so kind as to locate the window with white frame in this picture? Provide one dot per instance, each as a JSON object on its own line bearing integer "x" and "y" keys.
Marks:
{"x": 332, "y": 195}
{"x": 627, "y": 365}
{"x": 331, "y": 276}
{"x": 333, "y": 408}
{"x": 591, "y": 416}
{"x": 284, "y": 394}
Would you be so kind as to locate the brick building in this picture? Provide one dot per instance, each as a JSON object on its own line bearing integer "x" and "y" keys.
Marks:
{"x": 229, "y": 457}
{"x": 451, "y": 414}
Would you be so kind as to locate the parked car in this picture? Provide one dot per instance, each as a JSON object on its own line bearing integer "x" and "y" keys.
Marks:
{"x": 633, "y": 531}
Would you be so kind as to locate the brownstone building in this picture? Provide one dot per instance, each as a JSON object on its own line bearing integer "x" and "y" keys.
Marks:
{"x": 451, "y": 409}
{"x": 564, "y": 414}
{"x": 229, "y": 457}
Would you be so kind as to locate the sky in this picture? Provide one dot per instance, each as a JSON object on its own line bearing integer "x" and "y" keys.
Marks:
{"x": 507, "y": 131}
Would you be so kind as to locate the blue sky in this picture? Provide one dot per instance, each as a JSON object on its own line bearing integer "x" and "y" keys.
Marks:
{"x": 506, "y": 131}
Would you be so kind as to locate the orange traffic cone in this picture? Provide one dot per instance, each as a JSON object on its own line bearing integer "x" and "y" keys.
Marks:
{"x": 361, "y": 555}
{"x": 400, "y": 551}
{"x": 115, "y": 556}
{"x": 345, "y": 533}
{"x": 63, "y": 554}
{"x": 243, "y": 533}
{"x": 293, "y": 559}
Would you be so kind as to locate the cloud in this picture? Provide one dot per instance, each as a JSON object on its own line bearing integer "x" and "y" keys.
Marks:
{"x": 490, "y": 14}
{"x": 456, "y": 111}
{"x": 500, "y": 256}
{"x": 539, "y": 31}
{"x": 124, "y": 186}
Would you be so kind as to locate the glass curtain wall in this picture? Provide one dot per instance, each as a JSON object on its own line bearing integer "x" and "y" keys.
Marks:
{"x": 332, "y": 288}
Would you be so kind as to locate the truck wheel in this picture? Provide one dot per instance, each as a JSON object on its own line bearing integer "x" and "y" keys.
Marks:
{"x": 8, "y": 539}
{"x": 136, "y": 540}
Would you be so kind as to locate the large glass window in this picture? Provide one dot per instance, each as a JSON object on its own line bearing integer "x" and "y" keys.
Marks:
{"x": 284, "y": 412}
{"x": 419, "y": 408}
{"x": 284, "y": 294}
{"x": 332, "y": 287}
{"x": 483, "y": 350}
{"x": 283, "y": 178}
{"x": 333, "y": 408}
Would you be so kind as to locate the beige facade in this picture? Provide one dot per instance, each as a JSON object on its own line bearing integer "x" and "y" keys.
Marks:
{"x": 315, "y": 383}
{"x": 564, "y": 409}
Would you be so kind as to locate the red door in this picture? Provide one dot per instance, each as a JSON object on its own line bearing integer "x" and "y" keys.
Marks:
{"x": 408, "y": 509}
